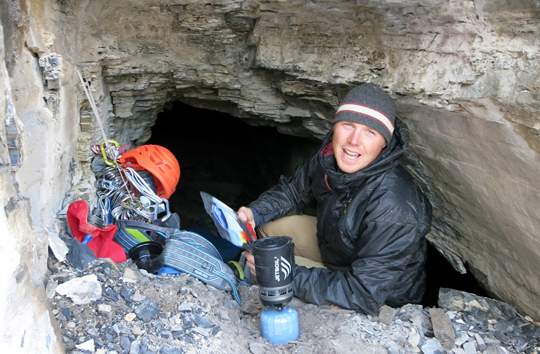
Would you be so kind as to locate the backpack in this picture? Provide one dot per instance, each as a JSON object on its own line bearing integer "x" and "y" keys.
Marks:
{"x": 130, "y": 233}
{"x": 191, "y": 253}
{"x": 185, "y": 251}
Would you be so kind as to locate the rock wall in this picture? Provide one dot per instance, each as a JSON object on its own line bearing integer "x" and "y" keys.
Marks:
{"x": 463, "y": 73}
{"x": 33, "y": 179}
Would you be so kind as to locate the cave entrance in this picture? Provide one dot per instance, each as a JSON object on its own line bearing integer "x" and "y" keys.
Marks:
{"x": 223, "y": 156}
{"x": 236, "y": 162}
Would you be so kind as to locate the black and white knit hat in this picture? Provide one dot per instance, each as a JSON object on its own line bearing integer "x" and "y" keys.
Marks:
{"x": 369, "y": 105}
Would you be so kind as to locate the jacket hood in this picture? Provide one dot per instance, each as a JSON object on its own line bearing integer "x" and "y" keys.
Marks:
{"x": 389, "y": 158}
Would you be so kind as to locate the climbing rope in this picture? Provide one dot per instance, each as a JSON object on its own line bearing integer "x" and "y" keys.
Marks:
{"x": 142, "y": 187}
{"x": 90, "y": 98}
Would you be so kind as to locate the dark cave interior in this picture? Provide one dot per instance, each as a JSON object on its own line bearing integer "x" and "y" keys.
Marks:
{"x": 235, "y": 162}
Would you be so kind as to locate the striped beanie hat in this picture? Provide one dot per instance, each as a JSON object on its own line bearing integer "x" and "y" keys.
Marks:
{"x": 369, "y": 105}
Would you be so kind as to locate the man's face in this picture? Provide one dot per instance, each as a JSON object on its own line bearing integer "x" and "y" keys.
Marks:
{"x": 356, "y": 145}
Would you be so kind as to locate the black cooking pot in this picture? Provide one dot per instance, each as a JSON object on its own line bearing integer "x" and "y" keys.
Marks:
{"x": 147, "y": 256}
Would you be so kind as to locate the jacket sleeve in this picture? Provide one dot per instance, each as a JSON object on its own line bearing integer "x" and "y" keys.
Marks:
{"x": 378, "y": 266}
{"x": 288, "y": 197}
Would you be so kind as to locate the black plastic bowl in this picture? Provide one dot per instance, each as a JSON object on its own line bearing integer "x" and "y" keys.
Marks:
{"x": 147, "y": 256}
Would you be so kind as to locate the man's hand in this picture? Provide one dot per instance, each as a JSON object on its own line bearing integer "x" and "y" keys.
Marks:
{"x": 250, "y": 261}
{"x": 245, "y": 214}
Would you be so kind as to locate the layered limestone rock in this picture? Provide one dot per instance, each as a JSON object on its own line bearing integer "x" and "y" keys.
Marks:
{"x": 463, "y": 73}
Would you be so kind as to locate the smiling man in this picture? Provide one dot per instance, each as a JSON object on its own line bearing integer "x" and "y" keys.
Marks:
{"x": 366, "y": 245}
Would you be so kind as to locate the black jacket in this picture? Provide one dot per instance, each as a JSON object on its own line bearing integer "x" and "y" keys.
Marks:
{"x": 371, "y": 228}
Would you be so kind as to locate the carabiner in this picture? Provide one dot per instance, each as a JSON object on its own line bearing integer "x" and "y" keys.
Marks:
{"x": 105, "y": 184}
{"x": 166, "y": 217}
{"x": 102, "y": 147}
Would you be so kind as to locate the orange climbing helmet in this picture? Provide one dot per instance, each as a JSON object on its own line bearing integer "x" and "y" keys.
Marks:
{"x": 157, "y": 160}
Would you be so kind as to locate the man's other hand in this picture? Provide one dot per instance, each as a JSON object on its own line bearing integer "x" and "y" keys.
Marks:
{"x": 245, "y": 214}
{"x": 250, "y": 261}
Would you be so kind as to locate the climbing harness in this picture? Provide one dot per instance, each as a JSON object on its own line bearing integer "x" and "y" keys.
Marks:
{"x": 122, "y": 193}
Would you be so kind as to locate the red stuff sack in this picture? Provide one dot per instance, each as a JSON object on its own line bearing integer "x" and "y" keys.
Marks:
{"x": 102, "y": 239}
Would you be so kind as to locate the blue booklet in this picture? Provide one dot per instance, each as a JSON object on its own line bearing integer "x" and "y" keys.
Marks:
{"x": 230, "y": 227}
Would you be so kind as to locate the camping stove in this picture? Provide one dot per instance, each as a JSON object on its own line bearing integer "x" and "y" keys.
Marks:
{"x": 274, "y": 262}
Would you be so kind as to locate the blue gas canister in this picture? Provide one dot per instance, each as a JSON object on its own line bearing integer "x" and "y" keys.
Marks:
{"x": 280, "y": 326}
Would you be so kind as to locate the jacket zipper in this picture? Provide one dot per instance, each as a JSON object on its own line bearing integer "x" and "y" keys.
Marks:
{"x": 347, "y": 202}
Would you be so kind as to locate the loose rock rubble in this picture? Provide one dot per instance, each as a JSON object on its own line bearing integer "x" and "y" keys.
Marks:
{"x": 134, "y": 312}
